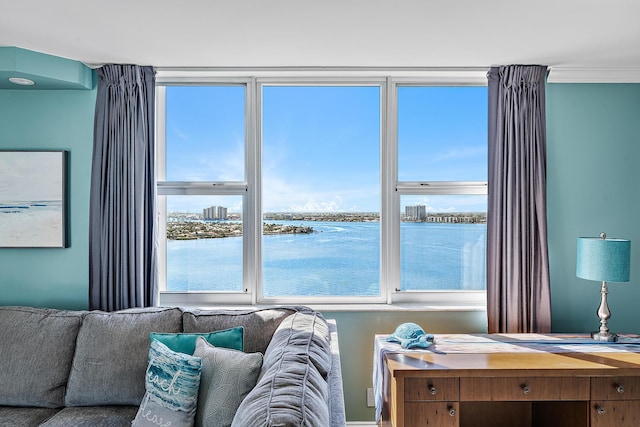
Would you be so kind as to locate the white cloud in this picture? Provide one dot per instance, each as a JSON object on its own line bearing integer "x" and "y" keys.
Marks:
{"x": 459, "y": 153}
{"x": 311, "y": 205}
{"x": 179, "y": 133}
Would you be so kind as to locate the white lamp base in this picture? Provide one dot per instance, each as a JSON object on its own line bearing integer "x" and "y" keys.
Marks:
{"x": 604, "y": 337}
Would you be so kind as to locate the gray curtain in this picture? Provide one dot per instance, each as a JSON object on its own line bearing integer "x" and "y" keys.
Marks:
{"x": 518, "y": 291}
{"x": 122, "y": 251}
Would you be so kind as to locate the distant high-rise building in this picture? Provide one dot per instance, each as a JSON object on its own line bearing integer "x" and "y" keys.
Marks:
{"x": 415, "y": 213}
{"x": 214, "y": 212}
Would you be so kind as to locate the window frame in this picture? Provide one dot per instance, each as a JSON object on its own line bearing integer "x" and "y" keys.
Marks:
{"x": 245, "y": 189}
{"x": 388, "y": 80}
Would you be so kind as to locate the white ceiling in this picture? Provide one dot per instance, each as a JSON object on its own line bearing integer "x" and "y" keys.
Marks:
{"x": 329, "y": 33}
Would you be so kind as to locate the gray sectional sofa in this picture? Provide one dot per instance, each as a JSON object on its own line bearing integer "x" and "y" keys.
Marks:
{"x": 87, "y": 368}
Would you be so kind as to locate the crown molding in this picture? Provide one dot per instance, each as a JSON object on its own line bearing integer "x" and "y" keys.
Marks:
{"x": 593, "y": 75}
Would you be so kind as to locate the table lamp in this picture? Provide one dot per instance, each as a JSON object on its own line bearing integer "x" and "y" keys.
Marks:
{"x": 605, "y": 260}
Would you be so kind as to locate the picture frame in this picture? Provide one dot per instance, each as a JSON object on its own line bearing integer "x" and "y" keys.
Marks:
{"x": 33, "y": 199}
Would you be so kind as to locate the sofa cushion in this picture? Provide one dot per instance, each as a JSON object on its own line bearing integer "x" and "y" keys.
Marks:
{"x": 227, "y": 377}
{"x": 259, "y": 325}
{"x": 36, "y": 350}
{"x": 186, "y": 343}
{"x": 11, "y": 416}
{"x": 111, "y": 355}
{"x": 292, "y": 388}
{"x": 172, "y": 384}
{"x": 93, "y": 416}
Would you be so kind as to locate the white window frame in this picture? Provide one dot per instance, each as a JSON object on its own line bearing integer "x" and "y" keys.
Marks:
{"x": 390, "y": 188}
{"x": 245, "y": 189}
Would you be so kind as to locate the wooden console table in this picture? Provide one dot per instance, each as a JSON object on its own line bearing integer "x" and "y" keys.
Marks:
{"x": 511, "y": 380}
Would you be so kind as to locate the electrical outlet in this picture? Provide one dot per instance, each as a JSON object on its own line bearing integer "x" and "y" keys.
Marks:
{"x": 371, "y": 401}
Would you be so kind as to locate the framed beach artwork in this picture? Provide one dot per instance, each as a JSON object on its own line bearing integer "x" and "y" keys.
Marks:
{"x": 32, "y": 199}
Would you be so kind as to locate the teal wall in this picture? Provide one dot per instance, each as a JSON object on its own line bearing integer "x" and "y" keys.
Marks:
{"x": 47, "y": 71}
{"x": 593, "y": 178}
{"x": 593, "y": 184}
{"x": 58, "y": 120}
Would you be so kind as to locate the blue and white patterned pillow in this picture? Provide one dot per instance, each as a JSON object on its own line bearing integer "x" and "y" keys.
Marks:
{"x": 172, "y": 382}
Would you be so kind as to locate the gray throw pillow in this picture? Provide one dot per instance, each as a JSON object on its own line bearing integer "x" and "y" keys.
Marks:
{"x": 171, "y": 384}
{"x": 111, "y": 355}
{"x": 227, "y": 377}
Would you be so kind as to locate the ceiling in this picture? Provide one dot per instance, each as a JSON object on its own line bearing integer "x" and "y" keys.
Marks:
{"x": 329, "y": 33}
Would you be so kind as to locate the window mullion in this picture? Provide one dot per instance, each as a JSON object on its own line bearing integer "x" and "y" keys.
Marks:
{"x": 161, "y": 173}
{"x": 252, "y": 250}
{"x": 441, "y": 187}
{"x": 390, "y": 204}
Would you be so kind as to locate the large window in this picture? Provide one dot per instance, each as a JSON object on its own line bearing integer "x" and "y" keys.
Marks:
{"x": 321, "y": 190}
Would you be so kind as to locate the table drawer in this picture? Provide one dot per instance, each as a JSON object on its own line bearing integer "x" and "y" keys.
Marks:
{"x": 436, "y": 414}
{"x": 524, "y": 388}
{"x": 615, "y": 388}
{"x": 430, "y": 389}
{"x": 615, "y": 413}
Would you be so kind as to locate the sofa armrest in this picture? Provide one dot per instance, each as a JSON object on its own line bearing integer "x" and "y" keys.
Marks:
{"x": 337, "y": 414}
{"x": 300, "y": 383}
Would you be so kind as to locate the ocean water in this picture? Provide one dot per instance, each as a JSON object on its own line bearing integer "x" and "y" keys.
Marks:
{"x": 339, "y": 258}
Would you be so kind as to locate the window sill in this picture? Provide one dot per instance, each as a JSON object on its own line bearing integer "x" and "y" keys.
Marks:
{"x": 396, "y": 307}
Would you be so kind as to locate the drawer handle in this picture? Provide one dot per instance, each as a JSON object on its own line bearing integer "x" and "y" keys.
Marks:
{"x": 452, "y": 411}
{"x": 432, "y": 389}
{"x": 525, "y": 389}
{"x": 601, "y": 410}
{"x": 619, "y": 388}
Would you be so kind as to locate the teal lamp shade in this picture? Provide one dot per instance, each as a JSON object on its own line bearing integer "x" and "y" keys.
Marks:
{"x": 602, "y": 259}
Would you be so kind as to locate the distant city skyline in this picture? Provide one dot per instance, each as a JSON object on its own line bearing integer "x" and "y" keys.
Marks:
{"x": 365, "y": 216}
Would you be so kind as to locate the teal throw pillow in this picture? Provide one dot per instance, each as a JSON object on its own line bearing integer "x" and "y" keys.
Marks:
{"x": 186, "y": 342}
{"x": 227, "y": 378}
{"x": 172, "y": 383}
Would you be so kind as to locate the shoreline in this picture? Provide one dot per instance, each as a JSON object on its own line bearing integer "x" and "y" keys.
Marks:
{"x": 194, "y": 230}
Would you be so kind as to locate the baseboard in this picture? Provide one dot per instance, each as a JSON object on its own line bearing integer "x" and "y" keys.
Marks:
{"x": 361, "y": 424}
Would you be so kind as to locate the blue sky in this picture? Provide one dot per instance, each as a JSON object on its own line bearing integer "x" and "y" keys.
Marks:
{"x": 321, "y": 144}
